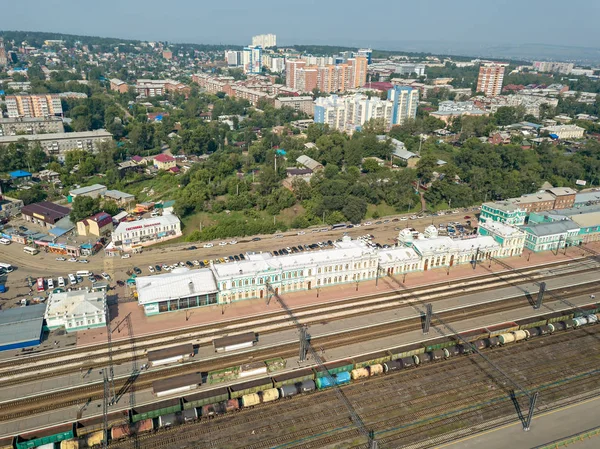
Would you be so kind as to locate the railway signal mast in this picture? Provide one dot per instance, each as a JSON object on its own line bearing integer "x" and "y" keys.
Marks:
{"x": 305, "y": 347}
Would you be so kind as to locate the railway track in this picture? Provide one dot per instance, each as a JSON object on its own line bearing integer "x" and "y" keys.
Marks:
{"x": 443, "y": 398}
{"x": 276, "y": 320}
{"x": 352, "y": 307}
{"x": 76, "y": 396}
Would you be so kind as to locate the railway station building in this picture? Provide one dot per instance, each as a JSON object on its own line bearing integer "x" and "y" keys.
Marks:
{"x": 76, "y": 310}
{"x": 349, "y": 261}
{"x": 177, "y": 290}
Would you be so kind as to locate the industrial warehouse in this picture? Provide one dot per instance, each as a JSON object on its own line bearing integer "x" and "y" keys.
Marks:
{"x": 349, "y": 261}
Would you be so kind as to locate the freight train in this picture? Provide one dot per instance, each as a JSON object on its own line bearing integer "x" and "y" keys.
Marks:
{"x": 223, "y": 400}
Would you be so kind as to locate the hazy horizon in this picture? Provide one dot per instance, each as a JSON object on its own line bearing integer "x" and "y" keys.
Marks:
{"x": 471, "y": 27}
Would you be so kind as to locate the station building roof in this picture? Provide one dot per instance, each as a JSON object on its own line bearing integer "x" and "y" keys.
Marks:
{"x": 180, "y": 283}
{"x": 21, "y": 326}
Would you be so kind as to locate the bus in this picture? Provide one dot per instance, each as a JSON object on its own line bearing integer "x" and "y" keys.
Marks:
{"x": 6, "y": 267}
{"x": 338, "y": 226}
{"x": 40, "y": 285}
{"x": 30, "y": 250}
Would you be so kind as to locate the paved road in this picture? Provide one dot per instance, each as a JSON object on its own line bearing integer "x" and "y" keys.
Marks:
{"x": 545, "y": 428}
{"x": 46, "y": 265}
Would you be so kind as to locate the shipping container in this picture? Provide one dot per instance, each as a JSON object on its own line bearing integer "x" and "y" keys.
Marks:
{"x": 293, "y": 377}
{"x": 155, "y": 410}
{"x": 46, "y": 436}
{"x": 205, "y": 397}
{"x": 253, "y": 386}
{"x": 407, "y": 351}
{"x": 336, "y": 367}
{"x": 371, "y": 359}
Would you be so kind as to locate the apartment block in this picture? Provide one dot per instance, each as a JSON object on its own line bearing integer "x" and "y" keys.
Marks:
{"x": 58, "y": 144}
{"x": 233, "y": 58}
{"x": 292, "y": 67}
{"x": 42, "y": 105}
{"x": 352, "y": 112}
{"x": 36, "y": 125}
{"x": 549, "y": 66}
{"x": 252, "y": 59}
{"x": 490, "y": 79}
{"x": 153, "y": 88}
{"x": 302, "y": 103}
{"x": 3, "y": 57}
{"x": 118, "y": 86}
{"x": 264, "y": 40}
{"x": 405, "y": 101}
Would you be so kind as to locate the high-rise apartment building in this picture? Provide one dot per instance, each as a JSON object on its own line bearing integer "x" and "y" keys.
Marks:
{"x": 264, "y": 40}
{"x": 490, "y": 79}
{"x": 252, "y": 59}
{"x": 233, "y": 58}
{"x": 292, "y": 67}
{"x": 367, "y": 53}
{"x": 41, "y": 105}
{"x": 352, "y": 112}
{"x": 327, "y": 78}
{"x": 405, "y": 101}
{"x": 359, "y": 71}
{"x": 3, "y": 57}
{"x": 549, "y": 66}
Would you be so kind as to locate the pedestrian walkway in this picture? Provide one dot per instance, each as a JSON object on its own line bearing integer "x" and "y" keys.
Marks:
{"x": 255, "y": 307}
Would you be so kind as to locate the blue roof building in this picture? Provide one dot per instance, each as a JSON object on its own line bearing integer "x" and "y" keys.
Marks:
{"x": 20, "y": 175}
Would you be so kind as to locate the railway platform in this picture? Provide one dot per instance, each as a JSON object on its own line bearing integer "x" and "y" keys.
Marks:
{"x": 545, "y": 428}
{"x": 143, "y": 325}
{"x": 94, "y": 408}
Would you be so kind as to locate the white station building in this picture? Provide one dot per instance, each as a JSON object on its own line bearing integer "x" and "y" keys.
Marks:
{"x": 76, "y": 310}
{"x": 130, "y": 235}
{"x": 350, "y": 261}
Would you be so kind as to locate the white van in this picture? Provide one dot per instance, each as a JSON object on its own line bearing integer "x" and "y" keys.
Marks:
{"x": 5, "y": 241}
{"x": 83, "y": 273}
{"x": 61, "y": 281}
{"x": 50, "y": 284}
{"x": 72, "y": 279}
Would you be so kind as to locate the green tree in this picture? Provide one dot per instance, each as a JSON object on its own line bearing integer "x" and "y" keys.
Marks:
{"x": 370, "y": 166}
{"x": 83, "y": 207}
{"x": 355, "y": 209}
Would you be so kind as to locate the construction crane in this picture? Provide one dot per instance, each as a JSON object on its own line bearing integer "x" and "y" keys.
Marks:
{"x": 305, "y": 346}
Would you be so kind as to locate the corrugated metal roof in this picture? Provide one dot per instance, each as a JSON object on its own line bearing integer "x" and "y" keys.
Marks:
{"x": 21, "y": 324}
{"x": 180, "y": 283}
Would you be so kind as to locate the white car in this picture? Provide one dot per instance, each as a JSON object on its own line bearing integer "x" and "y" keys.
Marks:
{"x": 83, "y": 261}
{"x": 61, "y": 259}
{"x": 106, "y": 276}
{"x": 413, "y": 217}
{"x": 72, "y": 259}
{"x": 223, "y": 244}
{"x": 233, "y": 242}
{"x": 61, "y": 281}
{"x": 357, "y": 225}
{"x": 5, "y": 241}
{"x": 208, "y": 245}
{"x": 196, "y": 263}
{"x": 301, "y": 232}
{"x": 368, "y": 223}
{"x": 151, "y": 269}
{"x": 50, "y": 283}
{"x": 403, "y": 219}
{"x": 125, "y": 256}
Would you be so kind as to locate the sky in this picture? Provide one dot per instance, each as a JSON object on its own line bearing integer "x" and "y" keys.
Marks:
{"x": 399, "y": 25}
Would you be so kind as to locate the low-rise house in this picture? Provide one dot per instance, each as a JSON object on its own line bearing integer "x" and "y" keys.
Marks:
{"x": 99, "y": 225}
{"x": 122, "y": 199}
{"x": 45, "y": 213}
{"x": 309, "y": 163}
{"x": 164, "y": 161}
{"x": 93, "y": 191}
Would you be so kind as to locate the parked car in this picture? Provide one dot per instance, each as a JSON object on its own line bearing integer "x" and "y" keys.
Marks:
{"x": 23, "y": 229}
{"x": 233, "y": 242}
{"x": 125, "y": 256}
{"x": 301, "y": 232}
{"x": 208, "y": 245}
{"x": 157, "y": 268}
{"x": 136, "y": 270}
{"x": 106, "y": 276}
{"x": 50, "y": 283}
{"x": 196, "y": 263}
{"x": 121, "y": 283}
{"x": 61, "y": 259}
{"x": 256, "y": 239}
{"x": 189, "y": 264}
{"x": 72, "y": 260}
{"x": 151, "y": 269}
{"x": 5, "y": 241}
{"x": 223, "y": 244}
{"x": 83, "y": 261}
